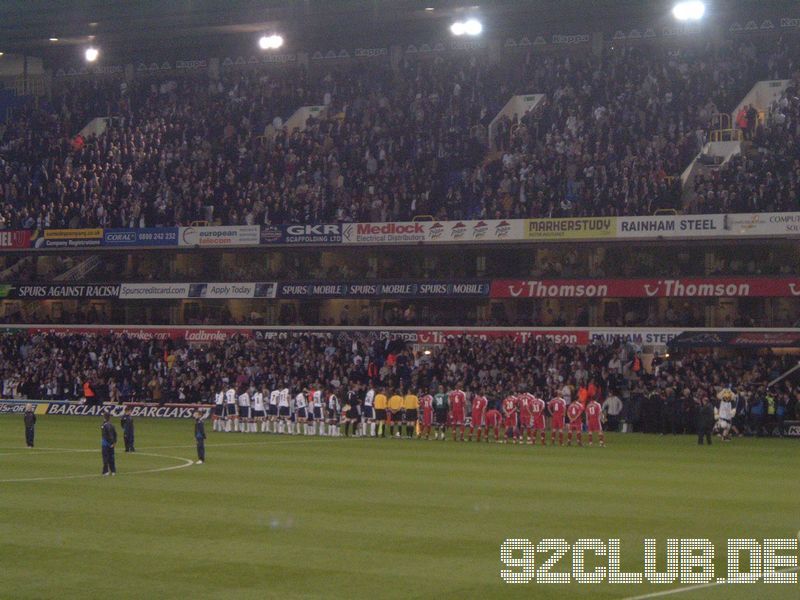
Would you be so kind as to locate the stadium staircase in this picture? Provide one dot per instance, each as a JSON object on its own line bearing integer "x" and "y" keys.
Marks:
{"x": 727, "y": 140}
{"x": 518, "y": 105}
{"x": 14, "y": 270}
{"x": 80, "y": 271}
{"x": 301, "y": 115}
{"x": 96, "y": 127}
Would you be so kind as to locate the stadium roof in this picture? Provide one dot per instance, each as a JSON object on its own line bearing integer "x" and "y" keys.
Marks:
{"x": 150, "y": 26}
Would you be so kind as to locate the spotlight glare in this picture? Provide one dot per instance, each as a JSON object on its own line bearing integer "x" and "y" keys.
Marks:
{"x": 54, "y": 39}
{"x": 457, "y": 28}
{"x": 91, "y": 54}
{"x": 690, "y": 10}
{"x": 473, "y": 27}
{"x": 270, "y": 42}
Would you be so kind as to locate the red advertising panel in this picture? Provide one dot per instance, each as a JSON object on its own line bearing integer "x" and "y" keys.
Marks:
{"x": 685, "y": 287}
{"x": 15, "y": 239}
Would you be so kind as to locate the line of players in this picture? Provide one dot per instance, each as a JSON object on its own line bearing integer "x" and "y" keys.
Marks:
{"x": 317, "y": 410}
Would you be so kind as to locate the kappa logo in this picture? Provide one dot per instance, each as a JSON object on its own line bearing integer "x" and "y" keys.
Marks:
{"x": 703, "y": 338}
{"x": 793, "y": 431}
{"x": 652, "y": 290}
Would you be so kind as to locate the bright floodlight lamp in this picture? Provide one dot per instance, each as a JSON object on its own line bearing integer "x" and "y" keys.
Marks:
{"x": 91, "y": 54}
{"x": 473, "y": 27}
{"x": 690, "y": 10}
{"x": 468, "y": 27}
{"x": 457, "y": 28}
{"x": 270, "y": 42}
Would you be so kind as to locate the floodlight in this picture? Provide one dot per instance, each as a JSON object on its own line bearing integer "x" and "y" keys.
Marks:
{"x": 690, "y": 10}
{"x": 457, "y": 28}
{"x": 473, "y": 27}
{"x": 270, "y": 42}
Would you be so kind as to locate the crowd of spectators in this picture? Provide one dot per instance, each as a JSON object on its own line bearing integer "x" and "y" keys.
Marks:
{"x": 395, "y": 141}
{"x": 766, "y": 175}
{"x": 658, "y": 397}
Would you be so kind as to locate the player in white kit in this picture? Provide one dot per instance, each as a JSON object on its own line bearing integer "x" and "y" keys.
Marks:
{"x": 368, "y": 414}
{"x": 217, "y": 421}
{"x": 231, "y": 416}
{"x": 272, "y": 411}
{"x": 258, "y": 412}
{"x": 333, "y": 411}
{"x": 301, "y": 413}
{"x": 284, "y": 412}
{"x": 244, "y": 412}
{"x": 317, "y": 412}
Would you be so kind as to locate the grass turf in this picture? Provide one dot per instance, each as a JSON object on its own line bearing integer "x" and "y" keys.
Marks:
{"x": 294, "y": 517}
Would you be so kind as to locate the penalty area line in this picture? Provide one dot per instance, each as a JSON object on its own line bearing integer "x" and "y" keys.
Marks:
{"x": 692, "y": 588}
{"x": 185, "y": 462}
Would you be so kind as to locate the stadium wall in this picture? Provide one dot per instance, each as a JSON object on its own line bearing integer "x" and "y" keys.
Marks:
{"x": 586, "y": 229}
{"x": 655, "y": 338}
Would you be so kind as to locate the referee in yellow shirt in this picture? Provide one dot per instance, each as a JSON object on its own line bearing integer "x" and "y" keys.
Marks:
{"x": 395, "y": 413}
{"x": 381, "y": 402}
{"x": 410, "y": 408}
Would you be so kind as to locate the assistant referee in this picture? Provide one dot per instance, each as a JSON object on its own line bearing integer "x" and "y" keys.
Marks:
{"x": 381, "y": 402}
{"x": 410, "y": 408}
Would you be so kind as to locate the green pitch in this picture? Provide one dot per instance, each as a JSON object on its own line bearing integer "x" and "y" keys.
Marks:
{"x": 295, "y": 517}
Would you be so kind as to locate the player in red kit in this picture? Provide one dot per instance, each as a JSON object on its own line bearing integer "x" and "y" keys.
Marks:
{"x": 458, "y": 407}
{"x": 479, "y": 403}
{"x": 575, "y": 414}
{"x": 537, "y": 407}
{"x": 510, "y": 418}
{"x": 558, "y": 410}
{"x": 493, "y": 421}
{"x": 594, "y": 415}
{"x": 524, "y": 401}
{"x": 426, "y": 406}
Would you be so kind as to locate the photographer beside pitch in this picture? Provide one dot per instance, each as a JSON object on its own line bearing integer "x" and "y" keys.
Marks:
{"x": 127, "y": 430}
{"x": 108, "y": 436}
{"x": 200, "y": 437}
{"x": 30, "y": 423}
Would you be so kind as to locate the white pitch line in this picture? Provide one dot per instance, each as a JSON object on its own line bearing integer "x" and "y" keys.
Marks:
{"x": 296, "y": 440}
{"x": 187, "y": 462}
{"x": 692, "y": 588}
{"x": 40, "y": 451}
